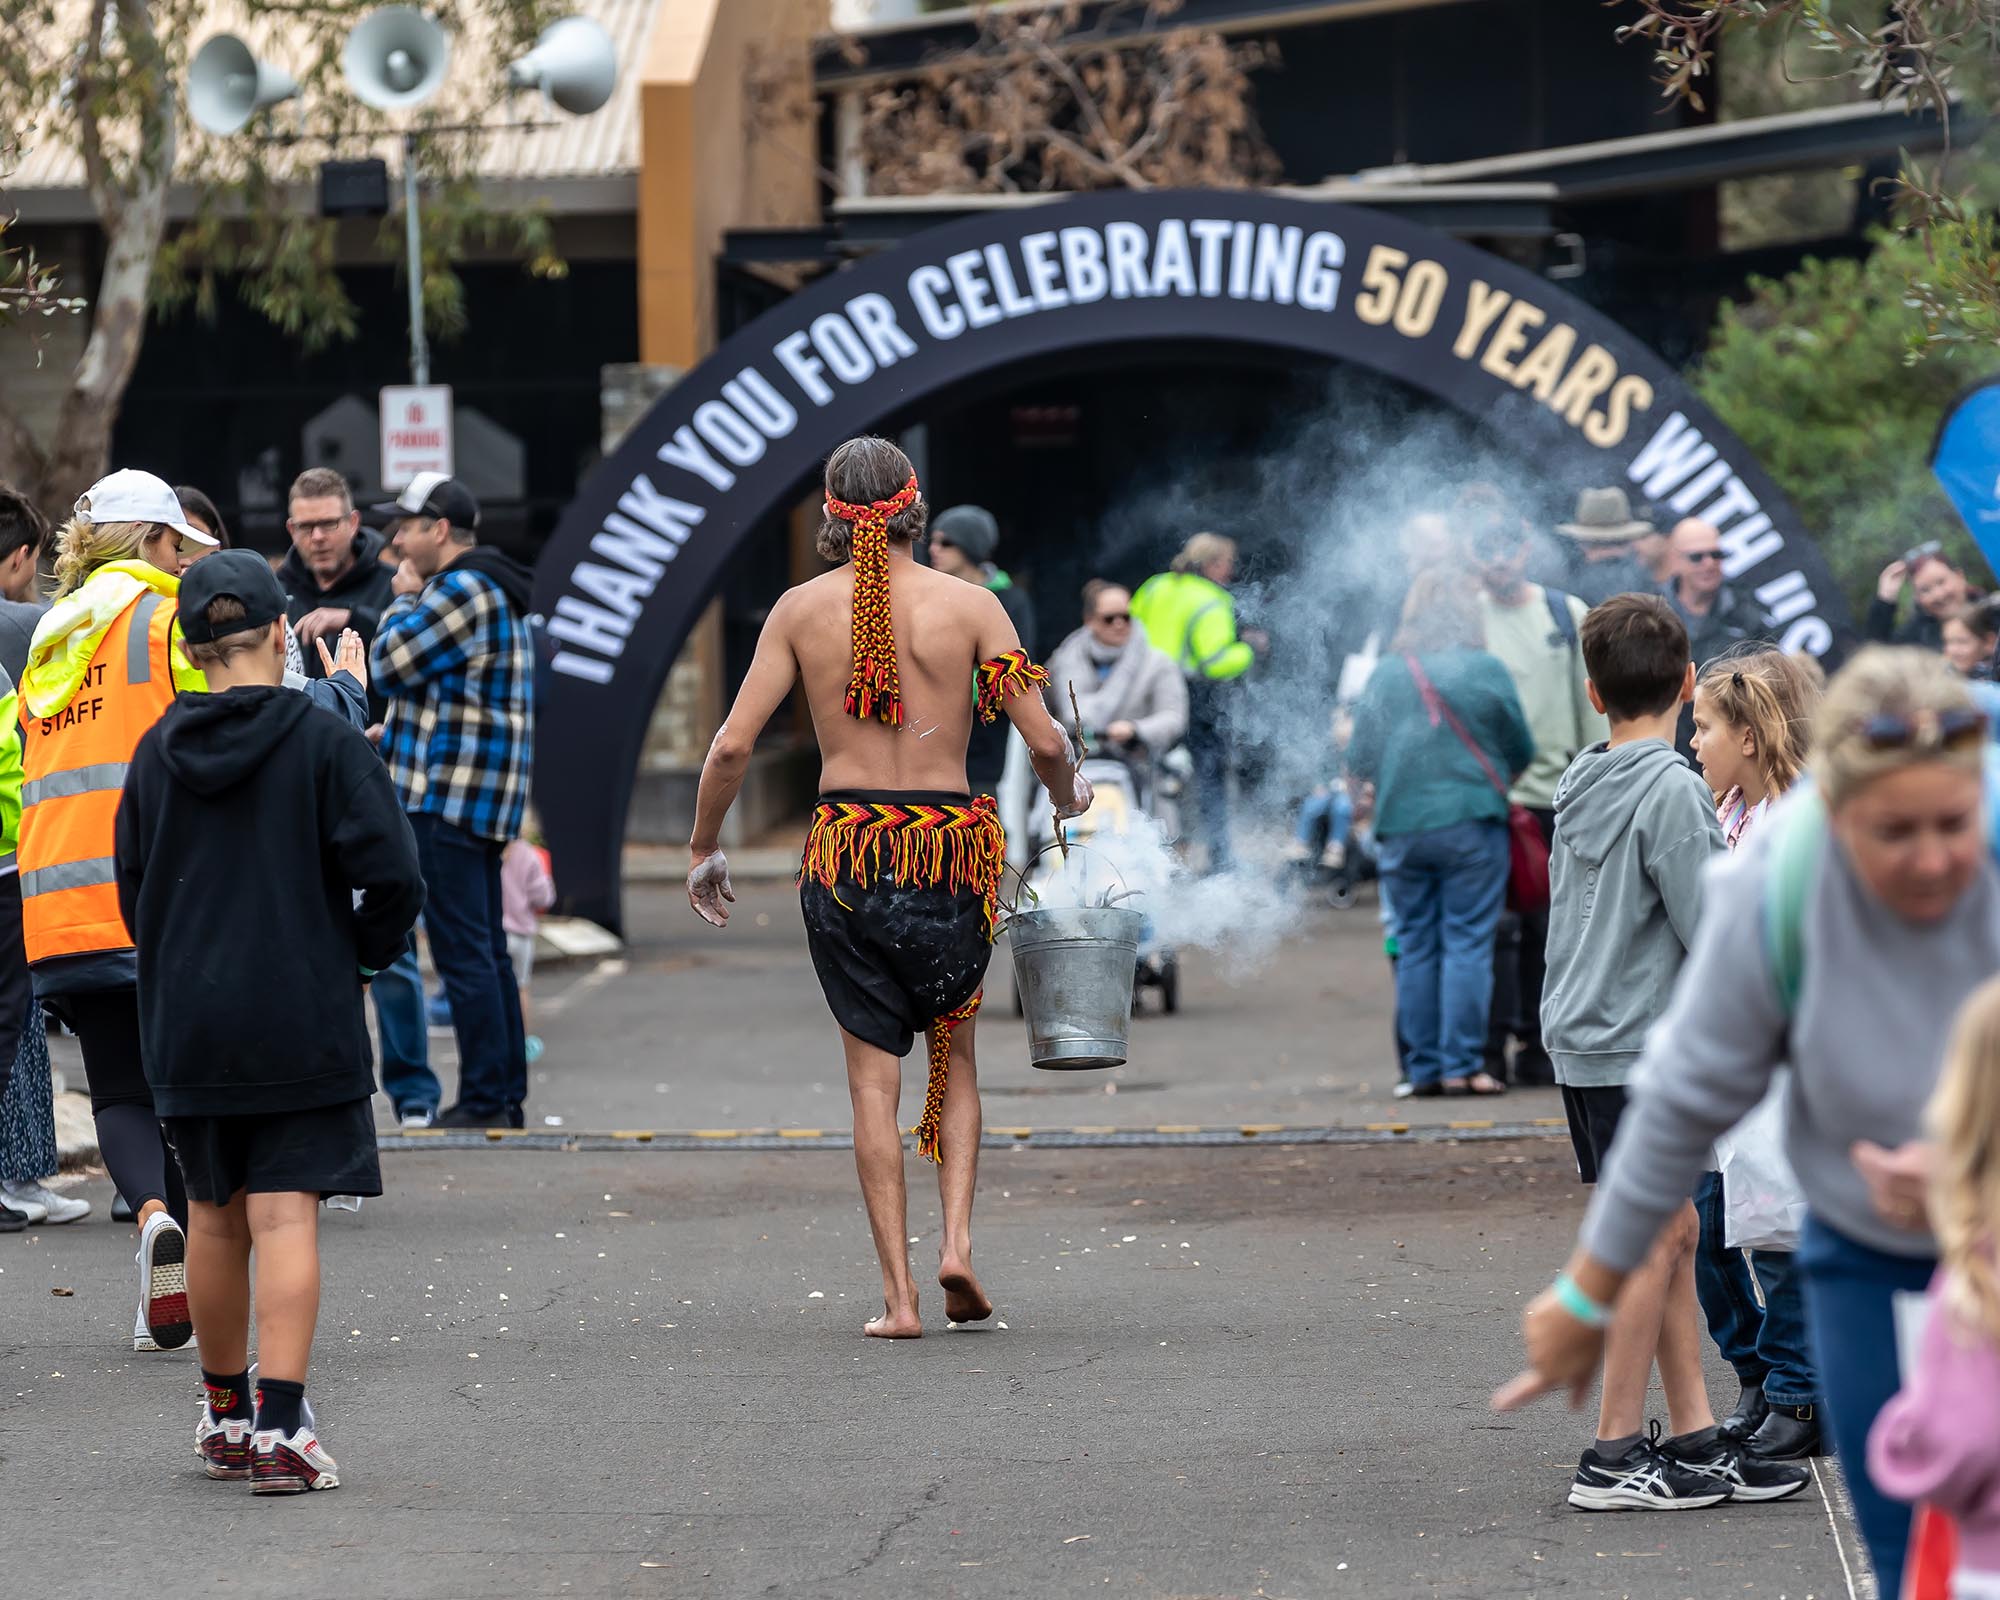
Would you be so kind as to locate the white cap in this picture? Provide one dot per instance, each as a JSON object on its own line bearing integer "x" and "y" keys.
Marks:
{"x": 132, "y": 496}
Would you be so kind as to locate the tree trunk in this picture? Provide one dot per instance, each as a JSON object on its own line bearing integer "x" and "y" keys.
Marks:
{"x": 80, "y": 449}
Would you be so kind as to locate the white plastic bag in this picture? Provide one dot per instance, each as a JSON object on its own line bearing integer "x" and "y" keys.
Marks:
{"x": 1763, "y": 1207}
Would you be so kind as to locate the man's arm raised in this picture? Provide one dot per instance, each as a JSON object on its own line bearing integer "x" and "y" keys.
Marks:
{"x": 772, "y": 674}
{"x": 1048, "y": 746}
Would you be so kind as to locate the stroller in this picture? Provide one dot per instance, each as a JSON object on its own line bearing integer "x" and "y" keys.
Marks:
{"x": 1326, "y": 820}
{"x": 1129, "y": 784}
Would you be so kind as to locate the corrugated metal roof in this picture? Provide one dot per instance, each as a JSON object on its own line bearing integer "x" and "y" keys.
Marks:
{"x": 604, "y": 144}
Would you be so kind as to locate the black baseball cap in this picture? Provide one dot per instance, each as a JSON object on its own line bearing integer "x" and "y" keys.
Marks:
{"x": 242, "y": 575}
{"x": 431, "y": 494}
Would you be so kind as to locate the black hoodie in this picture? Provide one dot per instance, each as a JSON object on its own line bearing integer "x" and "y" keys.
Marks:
{"x": 263, "y": 860}
{"x": 363, "y": 589}
{"x": 515, "y": 581}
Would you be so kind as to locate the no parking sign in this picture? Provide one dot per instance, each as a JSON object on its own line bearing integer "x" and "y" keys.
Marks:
{"x": 416, "y": 432}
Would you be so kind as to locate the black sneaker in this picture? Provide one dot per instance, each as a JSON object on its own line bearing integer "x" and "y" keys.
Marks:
{"x": 1642, "y": 1479}
{"x": 12, "y": 1221}
{"x": 1747, "y": 1476}
{"x": 459, "y": 1117}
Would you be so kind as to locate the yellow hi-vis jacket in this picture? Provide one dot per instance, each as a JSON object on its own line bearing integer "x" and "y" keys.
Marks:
{"x": 102, "y": 669}
{"x": 1193, "y": 619}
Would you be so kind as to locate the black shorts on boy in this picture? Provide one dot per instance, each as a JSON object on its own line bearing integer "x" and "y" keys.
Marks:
{"x": 327, "y": 1150}
{"x": 1593, "y": 1114}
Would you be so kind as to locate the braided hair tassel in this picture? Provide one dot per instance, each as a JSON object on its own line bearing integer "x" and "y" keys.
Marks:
{"x": 874, "y": 692}
{"x": 941, "y": 1030}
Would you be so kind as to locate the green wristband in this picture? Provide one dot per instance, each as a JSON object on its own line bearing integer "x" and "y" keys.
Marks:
{"x": 1578, "y": 1304}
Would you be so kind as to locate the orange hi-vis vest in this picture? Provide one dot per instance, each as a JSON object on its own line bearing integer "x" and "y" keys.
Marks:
{"x": 73, "y": 768}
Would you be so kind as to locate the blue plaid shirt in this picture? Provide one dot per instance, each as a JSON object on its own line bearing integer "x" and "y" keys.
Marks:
{"x": 456, "y": 664}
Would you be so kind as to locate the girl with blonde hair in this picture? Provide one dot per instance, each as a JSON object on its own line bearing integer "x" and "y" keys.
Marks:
{"x": 1752, "y": 726}
{"x": 1938, "y": 1441}
{"x": 1753, "y": 713}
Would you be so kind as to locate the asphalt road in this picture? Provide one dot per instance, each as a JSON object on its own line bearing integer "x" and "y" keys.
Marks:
{"x": 694, "y": 1028}
{"x": 1256, "y": 1371}
{"x": 1213, "y": 1373}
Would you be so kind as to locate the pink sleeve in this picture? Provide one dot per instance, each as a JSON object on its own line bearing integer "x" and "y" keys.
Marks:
{"x": 524, "y": 882}
{"x": 1938, "y": 1440}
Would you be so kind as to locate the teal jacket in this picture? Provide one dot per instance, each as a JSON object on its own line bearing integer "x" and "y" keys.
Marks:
{"x": 1424, "y": 776}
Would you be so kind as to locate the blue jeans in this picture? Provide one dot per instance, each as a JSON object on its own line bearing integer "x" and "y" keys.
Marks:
{"x": 1849, "y": 1316}
{"x": 1326, "y": 816}
{"x": 1765, "y": 1344}
{"x": 1448, "y": 885}
{"x": 407, "y": 1078}
{"x": 469, "y": 950}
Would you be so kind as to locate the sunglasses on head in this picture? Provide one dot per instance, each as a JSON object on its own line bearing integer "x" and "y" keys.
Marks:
{"x": 1957, "y": 729}
{"x": 1702, "y": 555}
{"x": 1916, "y": 557}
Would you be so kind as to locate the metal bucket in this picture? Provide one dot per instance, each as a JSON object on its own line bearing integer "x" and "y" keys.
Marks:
{"x": 1073, "y": 969}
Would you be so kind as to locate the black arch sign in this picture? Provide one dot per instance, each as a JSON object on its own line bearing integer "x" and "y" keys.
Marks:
{"x": 641, "y": 549}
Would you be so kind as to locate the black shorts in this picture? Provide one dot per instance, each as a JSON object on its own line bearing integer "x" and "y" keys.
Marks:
{"x": 1593, "y": 1123}
{"x": 891, "y": 958}
{"x": 327, "y": 1150}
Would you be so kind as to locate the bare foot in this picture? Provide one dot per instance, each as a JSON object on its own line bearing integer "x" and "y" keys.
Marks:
{"x": 894, "y": 1324}
{"x": 964, "y": 1300}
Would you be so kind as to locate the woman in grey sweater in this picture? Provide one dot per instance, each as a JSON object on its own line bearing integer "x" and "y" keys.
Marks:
{"x": 1842, "y": 939}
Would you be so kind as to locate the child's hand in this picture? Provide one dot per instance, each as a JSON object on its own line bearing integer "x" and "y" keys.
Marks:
{"x": 352, "y": 659}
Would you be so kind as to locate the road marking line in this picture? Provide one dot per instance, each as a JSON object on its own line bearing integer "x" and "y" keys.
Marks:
{"x": 1862, "y": 1588}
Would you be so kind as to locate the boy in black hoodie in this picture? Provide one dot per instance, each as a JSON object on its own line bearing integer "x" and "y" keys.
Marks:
{"x": 266, "y": 871}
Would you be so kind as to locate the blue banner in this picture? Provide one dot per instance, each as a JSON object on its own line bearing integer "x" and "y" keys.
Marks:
{"x": 1966, "y": 459}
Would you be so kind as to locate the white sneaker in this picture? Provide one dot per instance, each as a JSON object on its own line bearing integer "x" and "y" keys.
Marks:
{"x": 294, "y": 1465}
{"x": 163, "y": 1301}
{"x": 33, "y": 1197}
{"x": 416, "y": 1119}
{"x": 33, "y": 1210}
{"x": 143, "y": 1342}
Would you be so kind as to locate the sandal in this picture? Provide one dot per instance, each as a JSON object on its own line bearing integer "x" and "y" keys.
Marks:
{"x": 1484, "y": 1083}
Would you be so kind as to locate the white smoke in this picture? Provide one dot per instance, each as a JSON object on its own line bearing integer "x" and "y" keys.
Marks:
{"x": 1239, "y": 915}
{"x": 1318, "y": 511}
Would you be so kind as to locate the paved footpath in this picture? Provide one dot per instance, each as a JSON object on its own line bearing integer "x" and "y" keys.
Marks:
{"x": 1255, "y": 1371}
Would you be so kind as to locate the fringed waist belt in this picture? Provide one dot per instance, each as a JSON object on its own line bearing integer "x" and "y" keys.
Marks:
{"x": 929, "y": 846}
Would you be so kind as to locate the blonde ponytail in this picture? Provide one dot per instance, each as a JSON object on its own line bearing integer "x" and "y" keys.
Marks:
{"x": 1773, "y": 695}
{"x": 82, "y": 547}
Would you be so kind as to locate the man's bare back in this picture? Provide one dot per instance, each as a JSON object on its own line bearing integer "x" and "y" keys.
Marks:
{"x": 900, "y": 879}
{"x": 944, "y": 628}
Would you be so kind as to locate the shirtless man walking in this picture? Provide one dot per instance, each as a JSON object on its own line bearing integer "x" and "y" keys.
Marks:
{"x": 902, "y": 866}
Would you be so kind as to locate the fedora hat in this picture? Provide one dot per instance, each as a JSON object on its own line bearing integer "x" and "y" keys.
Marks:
{"x": 1604, "y": 516}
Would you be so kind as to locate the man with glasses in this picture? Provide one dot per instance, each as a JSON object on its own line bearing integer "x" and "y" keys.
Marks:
{"x": 1717, "y": 617}
{"x": 1941, "y": 593}
{"x": 332, "y": 576}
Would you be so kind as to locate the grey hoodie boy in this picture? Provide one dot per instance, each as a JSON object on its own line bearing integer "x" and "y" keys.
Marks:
{"x": 1635, "y": 828}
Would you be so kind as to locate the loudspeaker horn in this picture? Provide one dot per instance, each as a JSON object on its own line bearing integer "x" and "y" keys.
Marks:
{"x": 227, "y": 85}
{"x": 574, "y": 63}
{"x": 396, "y": 57}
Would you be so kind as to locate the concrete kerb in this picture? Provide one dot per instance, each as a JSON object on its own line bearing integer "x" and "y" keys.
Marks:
{"x": 1239, "y": 1136}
